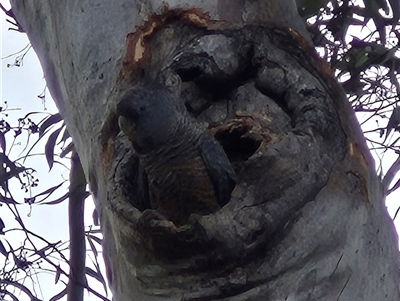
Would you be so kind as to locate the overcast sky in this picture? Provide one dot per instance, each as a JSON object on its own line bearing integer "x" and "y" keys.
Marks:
{"x": 19, "y": 88}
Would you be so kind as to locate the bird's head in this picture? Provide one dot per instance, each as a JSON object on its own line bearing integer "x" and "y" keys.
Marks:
{"x": 149, "y": 115}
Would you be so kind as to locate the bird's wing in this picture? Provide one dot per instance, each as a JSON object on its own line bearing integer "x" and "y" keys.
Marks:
{"x": 218, "y": 166}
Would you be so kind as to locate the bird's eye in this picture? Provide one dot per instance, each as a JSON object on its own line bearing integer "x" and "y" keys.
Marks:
{"x": 142, "y": 108}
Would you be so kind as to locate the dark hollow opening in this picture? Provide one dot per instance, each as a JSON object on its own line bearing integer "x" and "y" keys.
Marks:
{"x": 237, "y": 145}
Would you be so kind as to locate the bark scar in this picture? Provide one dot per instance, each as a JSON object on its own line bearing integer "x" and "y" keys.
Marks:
{"x": 137, "y": 52}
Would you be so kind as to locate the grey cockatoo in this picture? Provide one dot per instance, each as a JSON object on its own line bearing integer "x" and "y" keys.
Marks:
{"x": 185, "y": 169}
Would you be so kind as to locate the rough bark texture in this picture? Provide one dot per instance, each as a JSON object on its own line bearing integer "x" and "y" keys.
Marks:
{"x": 306, "y": 220}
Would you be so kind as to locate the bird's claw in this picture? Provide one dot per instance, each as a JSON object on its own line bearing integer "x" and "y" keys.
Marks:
{"x": 153, "y": 221}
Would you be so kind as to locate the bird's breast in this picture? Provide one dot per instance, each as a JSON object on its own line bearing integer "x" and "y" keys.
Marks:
{"x": 180, "y": 186}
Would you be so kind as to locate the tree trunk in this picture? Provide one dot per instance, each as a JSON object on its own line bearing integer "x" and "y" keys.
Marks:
{"x": 306, "y": 220}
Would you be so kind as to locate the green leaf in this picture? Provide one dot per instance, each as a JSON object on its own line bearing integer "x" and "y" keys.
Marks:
{"x": 52, "y": 119}
{"x": 49, "y": 147}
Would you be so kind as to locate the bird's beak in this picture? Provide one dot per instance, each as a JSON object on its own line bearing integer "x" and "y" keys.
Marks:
{"x": 127, "y": 126}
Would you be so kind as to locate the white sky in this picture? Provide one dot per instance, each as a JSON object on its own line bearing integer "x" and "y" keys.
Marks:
{"x": 20, "y": 87}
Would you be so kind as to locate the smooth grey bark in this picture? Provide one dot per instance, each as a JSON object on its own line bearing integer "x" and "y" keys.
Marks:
{"x": 306, "y": 220}
{"x": 77, "y": 246}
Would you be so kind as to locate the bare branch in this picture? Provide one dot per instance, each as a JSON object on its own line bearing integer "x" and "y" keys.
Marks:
{"x": 10, "y": 14}
{"x": 77, "y": 195}
{"x": 391, "y": 173}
